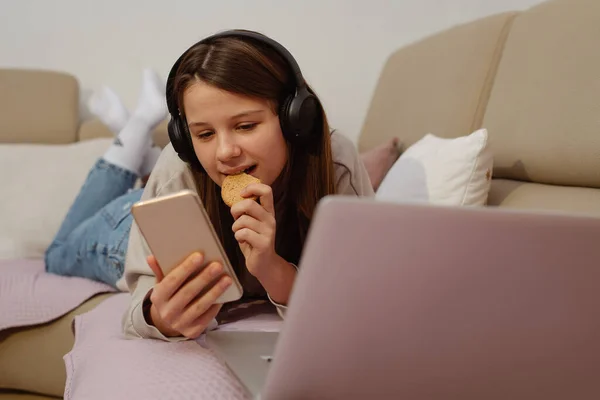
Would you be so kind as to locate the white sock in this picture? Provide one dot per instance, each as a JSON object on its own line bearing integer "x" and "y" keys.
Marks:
{"x": 135, "y": 139}
{"x": 108, "y": 107}
{"x": 149, "y": 160}
{"x": 152, "y": 105}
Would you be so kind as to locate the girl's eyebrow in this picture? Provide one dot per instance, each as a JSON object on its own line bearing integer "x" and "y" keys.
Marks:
{"x": 239, "y": 115}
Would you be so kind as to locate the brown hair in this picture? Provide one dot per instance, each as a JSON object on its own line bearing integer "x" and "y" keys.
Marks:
{"x": 250, "y": 68}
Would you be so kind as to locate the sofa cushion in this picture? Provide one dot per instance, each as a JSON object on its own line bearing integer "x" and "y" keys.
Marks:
{"x": 451, "y": 172}
{"x": 39, "y": 183}
{"x": 544, "y": 110}
{"x": 436, "y": 85}
{"x": 31, "y": 358}
{"x": 527, "y": 195}
{"x": 38, "y": 106}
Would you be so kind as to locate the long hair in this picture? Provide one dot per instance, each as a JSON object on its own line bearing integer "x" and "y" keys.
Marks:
{"x": 250, "y": 68}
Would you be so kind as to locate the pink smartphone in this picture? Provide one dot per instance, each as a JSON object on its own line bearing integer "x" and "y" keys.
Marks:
{"x": 175, "y": 226}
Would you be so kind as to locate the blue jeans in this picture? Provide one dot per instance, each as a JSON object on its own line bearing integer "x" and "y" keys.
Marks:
{"x": 92, "y": 240}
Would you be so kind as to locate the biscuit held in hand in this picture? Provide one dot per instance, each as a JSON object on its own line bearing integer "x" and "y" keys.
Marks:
{"x": 233, "y": 186}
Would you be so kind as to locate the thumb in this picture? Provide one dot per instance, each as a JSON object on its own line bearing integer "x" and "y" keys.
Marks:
{"x": 151, "y": 260}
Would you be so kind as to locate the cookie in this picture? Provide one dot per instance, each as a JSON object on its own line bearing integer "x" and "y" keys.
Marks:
{"x": 233, "y": 185}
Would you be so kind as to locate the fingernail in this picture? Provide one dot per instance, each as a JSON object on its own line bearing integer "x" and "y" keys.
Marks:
{"x": 197, "y": 259}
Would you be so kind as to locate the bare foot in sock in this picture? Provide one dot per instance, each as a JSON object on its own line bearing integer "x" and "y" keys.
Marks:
{"x": 108, "y": 107}
{"x": 135, "y": 139}
{"x": 151, "y": 105}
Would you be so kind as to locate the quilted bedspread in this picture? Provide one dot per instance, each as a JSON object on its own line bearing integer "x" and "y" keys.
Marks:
{"x": 30, "y": 296}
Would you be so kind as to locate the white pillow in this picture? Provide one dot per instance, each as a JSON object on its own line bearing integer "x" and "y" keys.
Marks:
{"x": 39, "y": 182}
{"x": 451, "y": 172}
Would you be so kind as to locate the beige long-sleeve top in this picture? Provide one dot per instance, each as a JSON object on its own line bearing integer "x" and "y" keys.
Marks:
{"x": 172, "y": 175}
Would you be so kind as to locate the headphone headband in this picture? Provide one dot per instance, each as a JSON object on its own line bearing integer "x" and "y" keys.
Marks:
{"x": 281, "y": 50}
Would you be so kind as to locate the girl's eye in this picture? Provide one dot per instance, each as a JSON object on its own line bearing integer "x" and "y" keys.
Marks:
{"x": 204, "y": 135}
{"x": 247, "y": 127}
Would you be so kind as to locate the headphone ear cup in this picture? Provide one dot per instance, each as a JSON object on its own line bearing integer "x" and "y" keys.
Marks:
{"x": 284, "y": 119}
{"x": 182, "y": 142}
{"x": 303, "y": 116}
{"x": 177, "y": 139}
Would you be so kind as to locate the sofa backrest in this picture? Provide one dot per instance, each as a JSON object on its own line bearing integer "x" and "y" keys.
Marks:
{"x": 42, "y": 106}
{"x": 38, "y": 106}
{"x": 531, "y": 78}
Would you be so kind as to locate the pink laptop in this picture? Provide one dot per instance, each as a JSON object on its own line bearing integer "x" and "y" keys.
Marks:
{"x": 426, "y": 302}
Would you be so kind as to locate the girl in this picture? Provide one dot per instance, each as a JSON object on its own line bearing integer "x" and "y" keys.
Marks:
{"x": 238, "y": 102}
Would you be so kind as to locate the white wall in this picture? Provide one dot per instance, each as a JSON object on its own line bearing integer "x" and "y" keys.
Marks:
{"x": 340, "y": 45}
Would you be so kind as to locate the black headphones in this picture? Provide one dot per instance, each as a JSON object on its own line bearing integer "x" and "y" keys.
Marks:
{"x": 299, "y": 113}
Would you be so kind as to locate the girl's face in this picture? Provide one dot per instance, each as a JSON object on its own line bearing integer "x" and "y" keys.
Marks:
{"x": 232, "y": 133}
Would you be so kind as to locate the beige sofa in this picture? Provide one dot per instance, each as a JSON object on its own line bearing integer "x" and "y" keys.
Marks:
{"x": 531, "y": 78}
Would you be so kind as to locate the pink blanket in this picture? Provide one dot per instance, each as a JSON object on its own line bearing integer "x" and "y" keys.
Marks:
{"x": 30, "y": 296}
{"x": 104, "y": 365}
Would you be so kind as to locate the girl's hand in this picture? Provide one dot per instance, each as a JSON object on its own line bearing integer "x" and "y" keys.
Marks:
{"x": 254, "y": 228}
{"x": 178, "y": 307}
